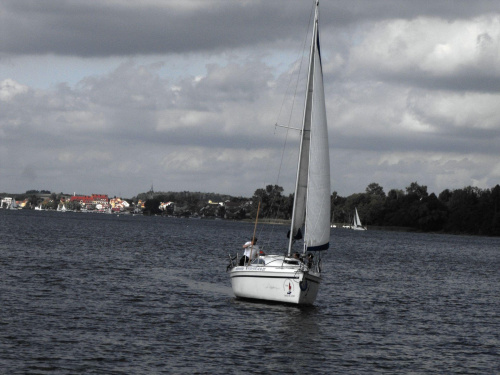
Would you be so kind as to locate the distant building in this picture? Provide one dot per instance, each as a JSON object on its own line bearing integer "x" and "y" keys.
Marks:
{"x": 165, "y": 205}
{"x": 6, "y": 202}
{"x": 101, "y": 199}
{"x": 216, "y": 203}
{"x": 118, "y": 204}
{"x": 87, "y": 201}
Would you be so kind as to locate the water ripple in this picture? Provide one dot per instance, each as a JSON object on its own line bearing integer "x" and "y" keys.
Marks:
{"x": 94, "y": 294}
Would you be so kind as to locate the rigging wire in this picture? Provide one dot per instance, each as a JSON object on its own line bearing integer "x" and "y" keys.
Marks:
{"x": 289, "y": 122}
{"x": 288, "y": 127}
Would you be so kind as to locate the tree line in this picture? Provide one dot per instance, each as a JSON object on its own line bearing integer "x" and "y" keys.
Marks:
{"x": 470, "y": 210}
{"x": 186, "y": 203}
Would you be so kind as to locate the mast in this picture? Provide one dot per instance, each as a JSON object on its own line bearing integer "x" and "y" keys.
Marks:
{"x": 300, "y": 197}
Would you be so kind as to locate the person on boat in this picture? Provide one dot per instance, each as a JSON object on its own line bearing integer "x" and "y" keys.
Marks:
{"x": 310, "y": 260}
{"x": 251, "y": 250}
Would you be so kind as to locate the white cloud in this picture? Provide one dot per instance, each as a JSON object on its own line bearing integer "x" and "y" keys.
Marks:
{"x": 459, "y": 110}
{"x": 430, "y": 46}
{"x": 10, "y": 88}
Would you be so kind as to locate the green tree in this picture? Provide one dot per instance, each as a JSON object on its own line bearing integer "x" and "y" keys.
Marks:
{"x": 33, "y": 200}
{"x": 375, "y": 189}
{"x": 152, "y": 207}
{"x": 54, "y": 201}
{"x": 339, "y": 212}
{"x": 462, "y": 206}
{"x": 393, "y": 212}
{"x": 432, "y": 214}
{"x": 419, "y": 190}
{"x": 445, "y": 196}
{"x": 495, "y": 211}
{"x": 73, "y": 205}
{"x": 272, "y": 203}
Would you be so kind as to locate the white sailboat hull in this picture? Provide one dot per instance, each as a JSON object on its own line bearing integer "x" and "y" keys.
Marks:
{"x": 293, "y": 284}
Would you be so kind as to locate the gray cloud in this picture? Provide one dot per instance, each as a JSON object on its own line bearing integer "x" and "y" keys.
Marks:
{"x": 107, "y": 28}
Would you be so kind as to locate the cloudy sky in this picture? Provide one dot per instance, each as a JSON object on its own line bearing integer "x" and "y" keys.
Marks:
{"x": 112, "y": 96}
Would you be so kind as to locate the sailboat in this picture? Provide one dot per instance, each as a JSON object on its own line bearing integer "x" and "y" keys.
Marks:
{"x": 13, "y": 204}
{"x": 356, "y": 225}
{"x": 283, "y": 277}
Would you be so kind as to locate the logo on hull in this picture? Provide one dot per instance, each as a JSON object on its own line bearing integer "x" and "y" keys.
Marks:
{"x": 288, "y": 287}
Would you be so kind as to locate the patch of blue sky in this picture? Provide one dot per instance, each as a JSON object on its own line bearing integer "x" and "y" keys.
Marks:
{"x": 48, "y": 71}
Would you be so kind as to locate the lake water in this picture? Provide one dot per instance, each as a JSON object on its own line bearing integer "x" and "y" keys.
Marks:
{"x": 107, "y": 294}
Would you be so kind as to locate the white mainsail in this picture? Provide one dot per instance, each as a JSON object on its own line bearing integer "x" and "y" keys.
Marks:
{"x": 357, "y": 222}
{"x": 312, "y": 191}
{"x": 13, "y": 204}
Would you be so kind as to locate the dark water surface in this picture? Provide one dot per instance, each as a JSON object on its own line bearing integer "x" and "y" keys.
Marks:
{"x": 101, "y": 294}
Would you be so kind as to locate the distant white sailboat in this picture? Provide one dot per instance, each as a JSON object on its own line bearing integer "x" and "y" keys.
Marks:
{"x": 13, "y": 205}
{"x": 357, "y": 223}
{"x": 284, "y": 278}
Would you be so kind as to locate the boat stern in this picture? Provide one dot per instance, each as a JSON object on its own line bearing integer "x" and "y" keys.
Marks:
{"x": 278, "y": 284}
